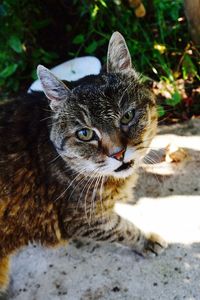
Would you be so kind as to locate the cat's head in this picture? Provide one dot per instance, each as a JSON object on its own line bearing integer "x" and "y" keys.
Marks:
{"x": 104, "y": 125}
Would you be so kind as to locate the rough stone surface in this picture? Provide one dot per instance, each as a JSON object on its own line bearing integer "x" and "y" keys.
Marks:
{"x": 168, "y": 203}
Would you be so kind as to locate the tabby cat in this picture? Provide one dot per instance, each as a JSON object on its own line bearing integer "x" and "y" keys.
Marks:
{"x": 62, "y": 169}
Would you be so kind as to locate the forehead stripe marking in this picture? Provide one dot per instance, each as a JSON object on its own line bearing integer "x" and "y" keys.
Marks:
{"x": 85, "y": 114}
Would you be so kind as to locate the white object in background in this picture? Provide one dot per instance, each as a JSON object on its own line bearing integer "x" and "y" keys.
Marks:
{"x": 72, "y": 70}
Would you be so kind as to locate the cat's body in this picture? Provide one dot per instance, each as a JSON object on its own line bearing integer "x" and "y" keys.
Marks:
{"x": 58, "y": 184}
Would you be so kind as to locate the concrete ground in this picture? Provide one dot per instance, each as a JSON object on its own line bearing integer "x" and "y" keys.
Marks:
{"x": 167, "y": 202}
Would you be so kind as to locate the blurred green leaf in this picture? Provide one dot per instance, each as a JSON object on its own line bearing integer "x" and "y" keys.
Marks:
{"x": 79, "y": 39}
{"x": 15, "y": 44}
{"x": 188, "y": 67}
{"x": 94, "y": 12}
{"x": 160, "y": 110}
{"x": 8, "y": 71}
{"x": 175, "y": 99}
{"x": 91, "y": 48}
{"x": 103, "y": 3}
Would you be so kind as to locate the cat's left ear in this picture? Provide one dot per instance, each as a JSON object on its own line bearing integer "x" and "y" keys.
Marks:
{"x": 55, "y": 90}
{"x": 118, "y": 57}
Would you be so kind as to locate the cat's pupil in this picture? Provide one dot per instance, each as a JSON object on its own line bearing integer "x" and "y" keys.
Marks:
{"x": 128, "y": 115}
{"x": 84, "y": 132}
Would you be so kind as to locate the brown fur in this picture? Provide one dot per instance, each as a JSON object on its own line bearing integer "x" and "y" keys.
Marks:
{"x": 4, "y": 273}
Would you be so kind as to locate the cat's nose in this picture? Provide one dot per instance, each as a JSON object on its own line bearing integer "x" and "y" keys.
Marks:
{"x": 119, "y": 155}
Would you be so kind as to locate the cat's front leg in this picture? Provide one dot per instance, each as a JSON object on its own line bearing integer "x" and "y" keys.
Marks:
{"x": 113, "y": 228}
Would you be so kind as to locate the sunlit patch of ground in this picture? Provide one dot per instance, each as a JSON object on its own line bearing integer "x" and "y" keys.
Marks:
{"x": 175, "y": 218}
{"x": 168, "y": 191}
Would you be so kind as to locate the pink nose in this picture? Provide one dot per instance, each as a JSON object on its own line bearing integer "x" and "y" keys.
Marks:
{"x": 119, "y": 155}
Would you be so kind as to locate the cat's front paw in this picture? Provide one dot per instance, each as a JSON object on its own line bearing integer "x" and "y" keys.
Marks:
{"x": 153, "y": 245}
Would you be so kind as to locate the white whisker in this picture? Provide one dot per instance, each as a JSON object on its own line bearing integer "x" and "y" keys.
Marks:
{"x": 64, "y": 192}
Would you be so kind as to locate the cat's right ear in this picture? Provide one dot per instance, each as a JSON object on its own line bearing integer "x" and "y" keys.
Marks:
{"x": 55, "y": 90}
{"x": 118, "y": 57}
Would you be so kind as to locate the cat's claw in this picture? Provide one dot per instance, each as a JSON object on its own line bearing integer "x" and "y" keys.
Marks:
{"x": 154, "y": 245}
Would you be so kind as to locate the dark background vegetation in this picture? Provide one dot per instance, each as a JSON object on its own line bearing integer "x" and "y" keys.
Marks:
{"x": 49, "y": 32}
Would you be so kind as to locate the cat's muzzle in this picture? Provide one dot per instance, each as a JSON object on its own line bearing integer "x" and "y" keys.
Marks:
{"x": 125, "y": 166}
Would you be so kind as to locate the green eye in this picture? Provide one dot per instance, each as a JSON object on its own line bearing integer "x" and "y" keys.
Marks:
{"x": 85, "y": 134}
{"x": 127, "y": 117}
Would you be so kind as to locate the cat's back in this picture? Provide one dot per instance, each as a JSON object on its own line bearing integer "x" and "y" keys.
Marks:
{"x": 24, "y": 192}
{"x": 20, "y": 121}
{"x": 20, "y": 127}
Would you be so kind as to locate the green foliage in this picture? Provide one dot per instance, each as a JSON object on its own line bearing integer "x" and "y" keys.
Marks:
{"x": 49, "y": 32}
{"x": 20, "y": 51}
{"x": 159, "y": 44}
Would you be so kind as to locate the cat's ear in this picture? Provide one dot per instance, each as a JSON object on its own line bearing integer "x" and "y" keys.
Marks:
{"x": 55, "y": 90}
{"x": 118, "y": 57}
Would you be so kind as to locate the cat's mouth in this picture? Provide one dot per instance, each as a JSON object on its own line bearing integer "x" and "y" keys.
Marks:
{"x": 125, "y": 166}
